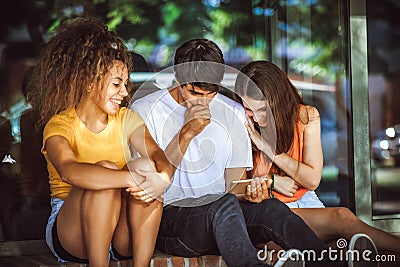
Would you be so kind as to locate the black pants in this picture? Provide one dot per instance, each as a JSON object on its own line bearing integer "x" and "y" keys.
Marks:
{"x": 231, "y": 229}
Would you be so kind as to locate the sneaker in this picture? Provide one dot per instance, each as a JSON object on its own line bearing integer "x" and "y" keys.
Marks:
{"x": 292, "y": 258}
{"x": 362, "y": 252}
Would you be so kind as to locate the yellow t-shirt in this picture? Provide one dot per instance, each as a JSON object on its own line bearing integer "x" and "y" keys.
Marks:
{"x": 110, "y": 144}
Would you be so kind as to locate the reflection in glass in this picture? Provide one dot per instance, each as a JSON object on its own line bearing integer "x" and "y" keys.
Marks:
{"x": 383, "y": 80}
{"x": 313, "y": 54}
{"x": 289, "y": 33}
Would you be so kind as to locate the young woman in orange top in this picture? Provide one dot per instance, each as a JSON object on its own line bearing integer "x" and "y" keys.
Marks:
{"x": 294, "y": 153}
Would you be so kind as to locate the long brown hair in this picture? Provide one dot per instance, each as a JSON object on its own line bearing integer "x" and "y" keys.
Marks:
{"x": 75, "y": 59}
{"x": 281, "y": 95}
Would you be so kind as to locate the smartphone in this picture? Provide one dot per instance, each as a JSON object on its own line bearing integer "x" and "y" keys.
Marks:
{"x": 240, "y": 186}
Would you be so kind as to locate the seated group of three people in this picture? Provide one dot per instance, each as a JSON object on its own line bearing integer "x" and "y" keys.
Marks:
{"x": 193, "y": 142}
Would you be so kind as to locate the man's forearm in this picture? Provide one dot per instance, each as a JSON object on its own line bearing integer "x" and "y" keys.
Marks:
{"x": 178, "y": 146}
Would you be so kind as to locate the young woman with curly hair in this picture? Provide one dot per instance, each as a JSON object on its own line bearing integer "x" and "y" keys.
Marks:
{"x": 293, "y": 153}
{"x": 100, "y": 209}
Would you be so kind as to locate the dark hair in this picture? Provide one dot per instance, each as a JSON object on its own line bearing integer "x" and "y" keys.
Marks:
{"x": 199, "y": 62}
{"x": 78, "y": 56}
{"x": 279, "y": 92}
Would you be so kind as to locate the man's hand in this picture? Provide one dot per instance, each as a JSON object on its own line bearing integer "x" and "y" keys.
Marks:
{"x": 257, "y": 191}
{"x": 197, "y": 115}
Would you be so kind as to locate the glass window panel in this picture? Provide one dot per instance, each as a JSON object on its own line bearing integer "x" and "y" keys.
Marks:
{"x": 383, "y": 87}
{"x": 308, "y": 39}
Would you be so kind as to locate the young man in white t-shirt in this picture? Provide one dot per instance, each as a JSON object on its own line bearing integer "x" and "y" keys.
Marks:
{"x": 199, "y": 217}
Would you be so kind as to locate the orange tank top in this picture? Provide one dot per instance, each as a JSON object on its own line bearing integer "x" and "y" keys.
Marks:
{"x": 262, "y": 165}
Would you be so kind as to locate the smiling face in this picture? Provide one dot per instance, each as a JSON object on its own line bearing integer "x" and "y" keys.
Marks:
{"x": 114, "y": 89}
{"x": 256, "y": 110}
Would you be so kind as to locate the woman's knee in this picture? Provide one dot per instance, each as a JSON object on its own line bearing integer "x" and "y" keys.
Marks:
{"x": 142, "y": 163}
{"x": 344, "y": 216}
{"x": 112, "y": 195}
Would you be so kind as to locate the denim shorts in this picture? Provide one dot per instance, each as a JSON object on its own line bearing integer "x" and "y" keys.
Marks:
{"x": 56, "y": 204}
{"x": 309, "y": 200}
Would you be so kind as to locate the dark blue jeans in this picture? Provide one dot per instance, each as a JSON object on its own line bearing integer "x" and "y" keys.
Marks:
{"x": 231, "y": 229}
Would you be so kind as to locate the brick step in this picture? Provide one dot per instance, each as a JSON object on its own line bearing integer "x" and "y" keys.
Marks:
{"x": 173, "y": 261}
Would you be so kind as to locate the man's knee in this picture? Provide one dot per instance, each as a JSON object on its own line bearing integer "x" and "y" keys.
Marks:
{"x": 227, "y": 199}
{"x": 274, "y": 204}
{"x": 274, "y": 209}
{"x": 227, "y": 203}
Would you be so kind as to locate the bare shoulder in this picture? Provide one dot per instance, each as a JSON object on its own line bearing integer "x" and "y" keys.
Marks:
{"x": 313, "y": 113}
{"x": 309, "y": 114}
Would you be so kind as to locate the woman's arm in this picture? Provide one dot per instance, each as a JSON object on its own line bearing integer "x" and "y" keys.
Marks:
{"x": 83, "y": 175}
{"x": 308, "y": 173}
{"x": 155, "y": 181}
{"x": 166, "y": 161}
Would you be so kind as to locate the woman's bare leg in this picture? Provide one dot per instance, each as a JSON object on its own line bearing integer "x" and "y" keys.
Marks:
{"x": 122, "y": 240}
{"x": 87, "y": 220}
{"x": 139, "y": 221}
{"x": 69, "y": 224}
{"x": 332, "y": 223}
{"x": 145, "y": 222}
{"x": 100, "y": 212}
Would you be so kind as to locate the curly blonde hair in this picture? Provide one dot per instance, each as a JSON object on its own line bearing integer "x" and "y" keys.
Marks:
{"x": 77, "y": 58}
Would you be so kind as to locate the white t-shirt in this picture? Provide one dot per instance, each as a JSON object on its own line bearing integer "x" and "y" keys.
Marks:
{"x": 224, "y": 143}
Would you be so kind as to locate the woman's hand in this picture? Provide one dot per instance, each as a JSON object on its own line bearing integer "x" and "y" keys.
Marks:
{"x": 285, "y": 185}
{"x": 257, "y": 139}
{"x": 151, "y": 188}
{"x": 257, "y": 191}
